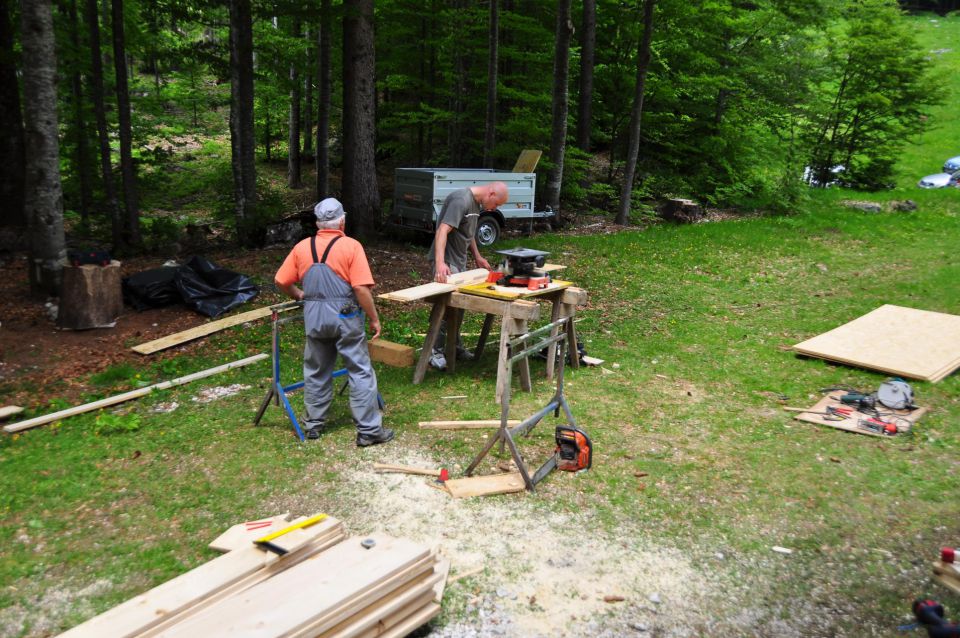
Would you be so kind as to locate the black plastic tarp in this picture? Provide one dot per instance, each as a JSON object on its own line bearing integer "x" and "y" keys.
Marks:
{"x": 199, "y": 283}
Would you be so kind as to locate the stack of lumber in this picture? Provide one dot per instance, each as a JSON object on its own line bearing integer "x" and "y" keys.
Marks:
{"x": 326, "y": 585}
{"x": 947, "y": 574}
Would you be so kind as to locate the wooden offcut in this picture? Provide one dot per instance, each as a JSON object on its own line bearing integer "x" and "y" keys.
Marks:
{"x": 8, "y": 411}
{"x": 390, "y": 353}
{"x": 242, "y": 534}
{"x": 948, "y": 575}
{"x": 485, "y": 485}
{"x": 918, "y": 344}
{"x": 405, "y": 469}
{"x": 90, "y": 297}
{"x": 477, "y": 424}
{"x": 205, "y": 329}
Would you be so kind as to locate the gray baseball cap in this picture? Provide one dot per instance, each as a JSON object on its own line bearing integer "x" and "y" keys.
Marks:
{"x": 328, "y": 210}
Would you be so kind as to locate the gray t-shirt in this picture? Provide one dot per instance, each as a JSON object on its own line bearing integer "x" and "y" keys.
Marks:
{"x": 461, "y": 211}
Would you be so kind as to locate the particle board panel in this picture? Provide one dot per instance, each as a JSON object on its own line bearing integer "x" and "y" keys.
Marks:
{"x": 174, "y": 596}
{"x": 203, "y": 330}
{"x": 494, "y": 291}
{"x": 904, "y": 419}
{"x": 277, "y": 606}
{"x": 907, "y": 342}
{"x": 486, "y": 485}
{"x": 433, "y": 288}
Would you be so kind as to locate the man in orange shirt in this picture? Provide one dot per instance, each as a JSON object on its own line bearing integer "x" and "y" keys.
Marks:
{"x": 336, "y": 288}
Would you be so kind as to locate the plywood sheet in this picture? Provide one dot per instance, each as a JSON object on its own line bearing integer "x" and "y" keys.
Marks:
{"x": 494, "y": 291}
{"x": 486, "y": 485}
{"x": 907, "y": 342}
{"x": 903, "y": 419}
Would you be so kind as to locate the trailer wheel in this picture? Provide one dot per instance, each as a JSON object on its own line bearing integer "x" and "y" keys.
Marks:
{"x": 488, "y": 230}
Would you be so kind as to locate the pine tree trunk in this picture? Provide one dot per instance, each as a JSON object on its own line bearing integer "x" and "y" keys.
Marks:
{"x": 308, "y": 98}
{"x": 132, "y": 214}
{"x": 92, "y": 18}
{"x": 322, "y": 158}
{"x": 588, "y": 41}
{"x": 633, "y": 147}
{"x": 241, "y": 119}
{"x": 558, "y": 134}
{"x": 82, "y": 157}
{"x": 490, "y": 132}
{"x": 293, "y": 121}
{"x": 457, "y": 97}
{"x": 43, "y": 194}
{"x": 361, "y": 196}
{"x": 11, "y": 128}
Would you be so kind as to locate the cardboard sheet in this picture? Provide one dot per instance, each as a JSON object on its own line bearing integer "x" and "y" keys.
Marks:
{"x": 903, "y": 419}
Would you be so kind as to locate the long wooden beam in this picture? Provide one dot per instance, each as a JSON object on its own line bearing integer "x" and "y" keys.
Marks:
{"x": 127, "y": 396}
{"x": 205, "y": 329}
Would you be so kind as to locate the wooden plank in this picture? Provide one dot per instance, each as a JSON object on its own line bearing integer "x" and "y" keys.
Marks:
{"x": 552, "y": 267}
{"x": 127, "y": 396}
{"x": 433, "y": 288}
{"x": 168, "y": 599}
{"x": 905, "y": 419}
{"x": 415, "y": 620}
{"x": 287, "y": 561}
{"x": 413, "y": 596}
{"x": 527, "y": 161}
{"x": 486, "y": 485}
{"x": 404, "y": 469}
{"x": 906, "y": 342}
{"x": 947, "y": 575}
{"x": 362, "y": 599}
{"x": 573, "y": 295}
{"x": 276, "y": 607}
{"x": 529, "y": 310}
{"x": 479, "y": 424}
{"x": 242, "y": 534}
{"x": 203, "y": 330}
{"x": 443, "y": 568}
{"x": 591, "y": 361}
{"x": 494, "y": 291}
{"x": 8, "y": 411}
{"x": 390, "y": 353}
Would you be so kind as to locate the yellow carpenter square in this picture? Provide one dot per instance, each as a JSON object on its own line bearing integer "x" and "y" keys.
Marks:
{"x": 265, "y": 541}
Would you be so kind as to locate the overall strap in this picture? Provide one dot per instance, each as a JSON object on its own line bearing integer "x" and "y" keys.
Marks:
{"x": 313, "y": 248}
{"x": 323, "y": 259}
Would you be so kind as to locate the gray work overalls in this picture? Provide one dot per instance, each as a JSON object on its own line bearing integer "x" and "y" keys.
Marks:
{"x": 334, "y": 323}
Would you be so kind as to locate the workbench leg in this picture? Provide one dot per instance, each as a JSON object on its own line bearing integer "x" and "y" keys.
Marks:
{"x": 484, "y": 333}
{"x": 524, "y": 363}
{"x": 552, "y": 348}
{"x": 503, "y": 381}
{"x": 436, "y": 316}
{"x": 570, "y": 310}
{"x": 454, "y": 317}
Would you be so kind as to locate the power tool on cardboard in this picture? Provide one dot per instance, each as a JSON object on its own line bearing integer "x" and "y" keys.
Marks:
{"x": 521, "y": 267}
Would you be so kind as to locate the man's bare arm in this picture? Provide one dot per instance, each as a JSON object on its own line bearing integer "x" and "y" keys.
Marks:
{"x": 439, "y": 250}
{"x": 291, "y": 291}
{"x": 365, "y": 299}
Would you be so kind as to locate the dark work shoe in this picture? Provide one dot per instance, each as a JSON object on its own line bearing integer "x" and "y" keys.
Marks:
{"x": 364, "y": 440}
{"x": 312, "y": 434}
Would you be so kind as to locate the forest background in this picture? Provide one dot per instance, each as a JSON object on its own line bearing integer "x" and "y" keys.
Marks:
{"x": 735, "y": 104}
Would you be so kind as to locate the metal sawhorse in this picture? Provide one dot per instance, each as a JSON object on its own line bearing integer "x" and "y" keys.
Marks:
{"x": 277, "y": 391}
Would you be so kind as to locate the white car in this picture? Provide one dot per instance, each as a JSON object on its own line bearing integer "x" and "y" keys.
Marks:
{"x": 939, "y": 180}
{"x": 952, "y": 165}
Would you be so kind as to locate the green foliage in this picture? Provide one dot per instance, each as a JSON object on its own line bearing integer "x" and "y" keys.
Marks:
{"x": 122, "y": 373}
{"x": 108, "y": 423}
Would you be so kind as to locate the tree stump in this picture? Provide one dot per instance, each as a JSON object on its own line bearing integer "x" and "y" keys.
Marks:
{"x": 683, "y": 211}
{"x": 91, "y": 297}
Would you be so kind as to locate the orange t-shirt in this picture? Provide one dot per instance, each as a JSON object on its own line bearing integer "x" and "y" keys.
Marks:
{"x": 346, "y": 258}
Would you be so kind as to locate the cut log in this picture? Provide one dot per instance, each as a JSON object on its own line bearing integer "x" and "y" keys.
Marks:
{"x": 91, "y": 297}
{"x": 684, "y": 211}
{"x": 390, "y": 353}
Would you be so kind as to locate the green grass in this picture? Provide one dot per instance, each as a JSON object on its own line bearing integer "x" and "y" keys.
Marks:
{"x": 696, "y": 319}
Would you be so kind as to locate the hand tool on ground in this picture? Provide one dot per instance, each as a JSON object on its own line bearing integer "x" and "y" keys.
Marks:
{"x": 929, "y": 614}
{"x": 266, "y": 541}
{"x": 277, "y": 391}
{"x": 859, "y": 400}
{"x": 874, "y": 424}
{"x": 406, "y": 469}
{"x": 896, "y": 394}
{"x": 521, "y": 267}
{"x": 574, "y": 450}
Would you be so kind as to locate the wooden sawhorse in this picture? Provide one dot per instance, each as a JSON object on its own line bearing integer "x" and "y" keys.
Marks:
{"x": 515, "y": 317}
